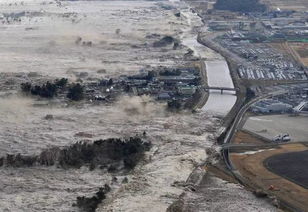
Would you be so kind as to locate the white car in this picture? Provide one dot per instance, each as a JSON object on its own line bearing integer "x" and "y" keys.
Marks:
{"x": 282, "y": 138}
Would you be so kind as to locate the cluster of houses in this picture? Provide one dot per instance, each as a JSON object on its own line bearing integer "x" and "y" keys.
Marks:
{"x": 163, "y": 84}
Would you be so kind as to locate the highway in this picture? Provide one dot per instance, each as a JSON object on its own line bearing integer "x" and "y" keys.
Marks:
{"x": 237, "y": 121}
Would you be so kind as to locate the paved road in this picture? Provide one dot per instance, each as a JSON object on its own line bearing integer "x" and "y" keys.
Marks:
{"x": 238, "y": 120}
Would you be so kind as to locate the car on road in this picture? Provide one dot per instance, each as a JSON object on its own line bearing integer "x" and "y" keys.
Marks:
{"x": 282, "y": 138}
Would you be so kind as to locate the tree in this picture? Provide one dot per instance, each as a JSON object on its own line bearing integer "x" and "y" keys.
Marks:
{"x": 61, "y": 83}
{"x": 151, "y": 75}
{"x": 26, "y": 87}
{"x": 110, "y": 82}
{"x": 250, "y": 94}
{"x": 240, "y": 5}
{"x": 167, "y": 72}
{"x": 47, "y": 90}
{"x": 174, "y": 105}
{"x": 76, "y": 92}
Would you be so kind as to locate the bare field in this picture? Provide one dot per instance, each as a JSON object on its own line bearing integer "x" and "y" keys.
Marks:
{"x": 251, "y": 167}
{"x": 302, "y": 51}
{"x": 297, "y": 51}
{"x": 299, "y": 5}
{"x": 291, "y": 166}
{"x": 271, "y": 125}
{"x": 287, "y": 49}
{"x": 242, "y": 137}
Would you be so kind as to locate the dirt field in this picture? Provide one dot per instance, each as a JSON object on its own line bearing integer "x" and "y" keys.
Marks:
{"x": 251, "y": 167}
{"x": 299, "y": 5}
{"x": 242, "y": 137}
{"x": 287, "y": 50}
{"x": 302, "y": 50}
{"x": 292, "y": 166}
{"x": 297, "y": 51}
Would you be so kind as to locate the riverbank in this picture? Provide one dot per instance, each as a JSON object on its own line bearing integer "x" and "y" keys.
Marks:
{"x": 233, "y": 64}
{"x": 204, "y": 179}
{"x": 271, "y": 171}
{"x": 214, "y": 66}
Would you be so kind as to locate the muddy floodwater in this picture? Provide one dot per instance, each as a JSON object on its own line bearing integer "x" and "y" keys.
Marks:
{"x": 116, "y": 36}
{"x": 93, "y": 40}
{"x": 44, "y": 42}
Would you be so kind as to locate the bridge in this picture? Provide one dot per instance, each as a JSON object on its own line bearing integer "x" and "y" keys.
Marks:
{"x": 301, "y": 106}
{"x": 221, "y": 89}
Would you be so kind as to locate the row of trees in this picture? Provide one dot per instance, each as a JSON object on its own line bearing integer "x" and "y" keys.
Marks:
{"x": 51, "y": 89}
{"x": 76, "y": 92}
{"x": 240, "y": 5}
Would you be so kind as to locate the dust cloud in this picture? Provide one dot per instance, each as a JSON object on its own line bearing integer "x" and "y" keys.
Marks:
{"x": 141, "y": 107}
{"x": 15, "y": 108}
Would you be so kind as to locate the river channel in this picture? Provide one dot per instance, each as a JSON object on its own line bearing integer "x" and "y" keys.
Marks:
{"x": 218, "y": 75}
{"x": 217, "y": 70}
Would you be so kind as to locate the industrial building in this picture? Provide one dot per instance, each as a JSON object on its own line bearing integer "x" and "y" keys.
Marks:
{"x": 271, "y": 106}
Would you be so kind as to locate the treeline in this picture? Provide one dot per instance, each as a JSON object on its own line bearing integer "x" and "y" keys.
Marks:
{"x": 167, "y": 72}
{"x": 111, "y": 154}
{"x": 240, "y": 5}
{"x": 51, "y": 89}
{"x": 90, "y": 204}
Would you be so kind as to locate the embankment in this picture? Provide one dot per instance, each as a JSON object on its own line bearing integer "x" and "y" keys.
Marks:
{"x": 233, "y": 66}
